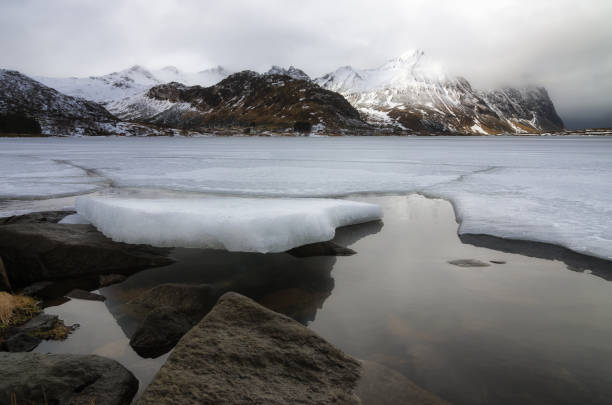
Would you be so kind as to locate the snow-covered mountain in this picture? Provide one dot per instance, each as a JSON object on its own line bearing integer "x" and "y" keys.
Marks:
{"x": 129, "y": 82}
{"x": 291, "y": 72}
{"x": 243, "y": 100}
{"x": 31, "y": 107}
{"x": 414, "y": 93}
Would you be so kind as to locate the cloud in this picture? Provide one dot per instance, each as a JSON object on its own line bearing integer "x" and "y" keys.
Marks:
{"x": 561, "y": 44}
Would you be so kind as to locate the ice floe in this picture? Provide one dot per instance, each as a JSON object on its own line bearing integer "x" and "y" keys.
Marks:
{"x": 235, "y": 224}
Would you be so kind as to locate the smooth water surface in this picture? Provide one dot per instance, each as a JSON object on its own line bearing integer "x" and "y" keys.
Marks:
{"x": 527, "y": 331}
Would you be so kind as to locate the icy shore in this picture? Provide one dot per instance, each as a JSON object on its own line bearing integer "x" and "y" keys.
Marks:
{"x": 553, "y": 189}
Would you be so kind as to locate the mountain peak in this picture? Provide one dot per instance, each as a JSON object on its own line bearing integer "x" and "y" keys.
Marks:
{"x": 171, "y": 69}
{"x": 292, "y": 72}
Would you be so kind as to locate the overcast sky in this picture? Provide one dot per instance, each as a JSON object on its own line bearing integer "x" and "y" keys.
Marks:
{"x": 561, "y": 44}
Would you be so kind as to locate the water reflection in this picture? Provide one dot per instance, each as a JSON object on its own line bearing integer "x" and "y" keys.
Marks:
{"x": 574, "y": 261}
{"x": 523, "y": 330}
{"x": 296, "y": 287}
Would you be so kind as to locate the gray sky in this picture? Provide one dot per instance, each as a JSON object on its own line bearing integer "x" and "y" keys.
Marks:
{"x": 561, "y": 44}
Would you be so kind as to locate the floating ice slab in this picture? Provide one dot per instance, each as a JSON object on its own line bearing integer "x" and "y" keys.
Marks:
{"x": 235, "y": 224}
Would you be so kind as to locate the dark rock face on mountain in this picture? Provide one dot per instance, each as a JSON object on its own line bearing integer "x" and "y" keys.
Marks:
{"x": 249, "y": 100}
{"x": 530, "y": 104}
{"x": 27, "y": 106}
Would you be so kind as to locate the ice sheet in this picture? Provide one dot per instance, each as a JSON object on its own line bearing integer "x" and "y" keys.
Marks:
{"x": 550, "y": 189}
{"x": 235, "y": 224}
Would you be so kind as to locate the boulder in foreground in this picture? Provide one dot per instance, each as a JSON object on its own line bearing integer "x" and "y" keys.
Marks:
{"x": 244, "y": 353}
{"x": 64, "y": 379}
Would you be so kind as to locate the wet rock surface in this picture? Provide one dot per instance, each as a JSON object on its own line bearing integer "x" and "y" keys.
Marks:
{"x": 242, "y": 353}
{"x": 27, "y": 337}
{"x": 321, "y": 249}
{"x": 85, "y": 295}
{"x": 34, "y": 248}
{"x": 34, "y": 378}
{"x": 169, "y": 311}
{"x": 468, "y": 263}
{"x": 161, "y": 329}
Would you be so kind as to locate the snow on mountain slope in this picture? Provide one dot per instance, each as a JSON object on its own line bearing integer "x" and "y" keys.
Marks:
{"x": 206, "y": 77}
{"x": 243, "y": 100}
{"x": 23, "y": 99}
{"x": 291, "y": 72}
{"x": 129, "y": 82}
{"x": 413, "y": 92}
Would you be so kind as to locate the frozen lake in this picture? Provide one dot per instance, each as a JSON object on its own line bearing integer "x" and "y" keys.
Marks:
{"x": 549, "y": 189}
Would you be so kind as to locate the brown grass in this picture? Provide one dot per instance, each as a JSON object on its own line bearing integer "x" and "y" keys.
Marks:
{"x": 59, "y": 332}
{"x": 16, "y": 309}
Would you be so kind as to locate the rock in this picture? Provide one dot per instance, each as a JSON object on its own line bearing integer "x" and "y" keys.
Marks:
{"x": 21, "y": 342}
{"x": 5, "y": 284}
{"x": 191, "y": 299}
{"x": 40, "y": 323}
{"x": 468, "y": 263}
{"x": 497, "y": 261}
{"x": 172, "y": 309}
{"x": 37, "y": 289}
{"x": 321, "y": 249}
{"x": 64, "y": 379}
{"x": 380, "y": 385}
{"x": 85, "y": 295}
{"x": 243, "y": 353}
{"x": 162, "y": 328}
{"x": 110, "y": 279}
{"x": 34, "y": 252}
{"x": 52, "y": 217}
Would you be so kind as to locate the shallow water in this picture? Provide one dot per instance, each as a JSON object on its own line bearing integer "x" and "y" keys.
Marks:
{"x": 526, "y": 331}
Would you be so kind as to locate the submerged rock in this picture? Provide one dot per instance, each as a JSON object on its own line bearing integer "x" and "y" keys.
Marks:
{"x": 51, "y": 217}
{"x": 64, "y": 379}
{"x": 20, "y": 342}
{"x": 36, "y": 251}
{"x": 85, "y": 295}
{"x": 171, "y": 310}
{"x": 242, "y": 353}
{"x": 468, "y": 263}
{"x": 381, "y": 385}
{"x": 162, "y": 328}
{"x": 321, "y": 249}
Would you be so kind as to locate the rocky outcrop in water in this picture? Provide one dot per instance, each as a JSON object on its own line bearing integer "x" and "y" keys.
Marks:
{"x": 34, "y": 378}
{"x": 242, "y": 353}
{"x": 35, "y": 249}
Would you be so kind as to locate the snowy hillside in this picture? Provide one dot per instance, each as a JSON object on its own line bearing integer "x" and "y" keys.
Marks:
{"x": 129, "y": 82}
{"x": 247, "y": 100}
{"x": 52, "y": 112}
{"x": 412, "y": 92}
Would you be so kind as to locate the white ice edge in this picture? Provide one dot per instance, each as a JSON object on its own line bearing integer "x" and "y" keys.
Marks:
{"x": 234, "y": 224}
